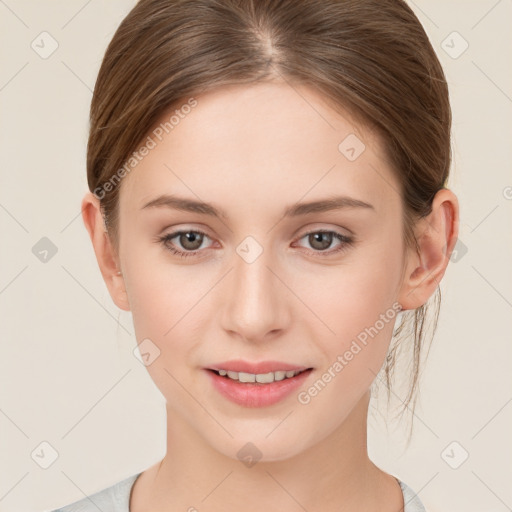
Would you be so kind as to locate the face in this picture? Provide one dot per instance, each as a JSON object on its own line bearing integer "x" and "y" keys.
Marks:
{"x": 265, "y": 279}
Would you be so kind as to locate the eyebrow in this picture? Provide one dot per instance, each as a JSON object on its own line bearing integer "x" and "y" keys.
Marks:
{"x": 324, "y": 205}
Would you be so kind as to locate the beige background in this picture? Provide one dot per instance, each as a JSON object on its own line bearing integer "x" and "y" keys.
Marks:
{"x": 68, "y": 374}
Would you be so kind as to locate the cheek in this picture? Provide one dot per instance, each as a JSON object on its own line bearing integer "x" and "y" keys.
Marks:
{"x": 163, "y": 303}
{"x": 362, "y": 313}
{"x": 357, "y": 292}
{"x": 168, "y": 302}
{"x": 358, "y": 304}
{"x": 167, "y": 315}
{"x": 159, "y": 292}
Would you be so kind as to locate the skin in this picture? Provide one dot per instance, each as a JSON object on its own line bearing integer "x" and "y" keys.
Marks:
{"x": 253, "y": 151}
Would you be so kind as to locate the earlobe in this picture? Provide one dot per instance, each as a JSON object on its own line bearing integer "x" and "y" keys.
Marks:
{"x": 436, "y": 235}
{"x": 108, "y": 260}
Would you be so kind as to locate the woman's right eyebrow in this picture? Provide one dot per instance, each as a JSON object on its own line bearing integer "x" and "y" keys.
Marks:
{"x": 295, "y": 210}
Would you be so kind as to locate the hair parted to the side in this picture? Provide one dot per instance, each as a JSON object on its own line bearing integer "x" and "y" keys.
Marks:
{"x": 370, "y": 58}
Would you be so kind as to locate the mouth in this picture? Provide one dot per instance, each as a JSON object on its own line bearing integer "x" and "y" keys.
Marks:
{"x": 258, "y": 389}
{"x": 259, "y": 378}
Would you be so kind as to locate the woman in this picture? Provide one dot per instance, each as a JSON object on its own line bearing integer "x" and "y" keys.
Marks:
{"x": 267, "y": 195}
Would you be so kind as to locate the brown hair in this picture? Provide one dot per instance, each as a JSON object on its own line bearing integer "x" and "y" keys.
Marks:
{"x": 371, "y": 58}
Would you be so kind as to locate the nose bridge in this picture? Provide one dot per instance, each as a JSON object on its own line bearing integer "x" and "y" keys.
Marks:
{"x": 253, "y": 306}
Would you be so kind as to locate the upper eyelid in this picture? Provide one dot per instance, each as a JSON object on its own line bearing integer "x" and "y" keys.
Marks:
{"x": 314, "y": 229}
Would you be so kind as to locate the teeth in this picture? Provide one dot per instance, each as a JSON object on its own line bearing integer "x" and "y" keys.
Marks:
{"x": 262, "y": 378}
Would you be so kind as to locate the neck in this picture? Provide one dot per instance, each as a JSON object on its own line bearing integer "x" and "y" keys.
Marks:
{"x": 333, "y": 475}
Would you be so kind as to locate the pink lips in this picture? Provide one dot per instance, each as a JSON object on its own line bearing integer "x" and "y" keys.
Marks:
{"x": 254, "y": 394}
{"x": 262, "y": 367}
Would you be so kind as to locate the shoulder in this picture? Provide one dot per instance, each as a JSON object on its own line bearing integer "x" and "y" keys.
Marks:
{"x": 115, "y": 498}
{"x": 412, "y": 502}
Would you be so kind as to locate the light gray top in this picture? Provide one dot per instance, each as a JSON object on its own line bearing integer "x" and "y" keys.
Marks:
{"x": 117, "y": 499}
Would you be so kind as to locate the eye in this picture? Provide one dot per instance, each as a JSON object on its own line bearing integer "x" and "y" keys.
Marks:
{"x": 190, "y": 240}
{"x": 321, "y": 240}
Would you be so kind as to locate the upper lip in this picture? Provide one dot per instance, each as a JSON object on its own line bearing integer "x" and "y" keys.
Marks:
{"x": 256, "y": 368}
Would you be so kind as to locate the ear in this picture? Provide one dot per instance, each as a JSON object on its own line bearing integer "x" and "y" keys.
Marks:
{"x": 436, "y": 234}
{"x": 108, "y": 260}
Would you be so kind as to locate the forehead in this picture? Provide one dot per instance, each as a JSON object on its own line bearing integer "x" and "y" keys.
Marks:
{"x": 259, "y": 143}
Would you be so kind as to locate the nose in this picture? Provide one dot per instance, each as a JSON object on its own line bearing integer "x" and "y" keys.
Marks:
{"x": 255, "y": 307}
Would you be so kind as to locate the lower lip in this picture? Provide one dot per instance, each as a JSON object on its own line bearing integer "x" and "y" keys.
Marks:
{"x": 252, "y": 394}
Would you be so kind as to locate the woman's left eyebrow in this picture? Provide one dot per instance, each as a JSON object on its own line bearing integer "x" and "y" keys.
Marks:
{"x": 295, "y": 210}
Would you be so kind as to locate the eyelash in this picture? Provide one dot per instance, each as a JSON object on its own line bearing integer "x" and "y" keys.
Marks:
{"x": 346, "y": 242}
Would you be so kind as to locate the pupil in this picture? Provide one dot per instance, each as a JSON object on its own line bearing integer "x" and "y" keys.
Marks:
{"x": 190, "y": 238}
{"x": 317, "y": 237}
